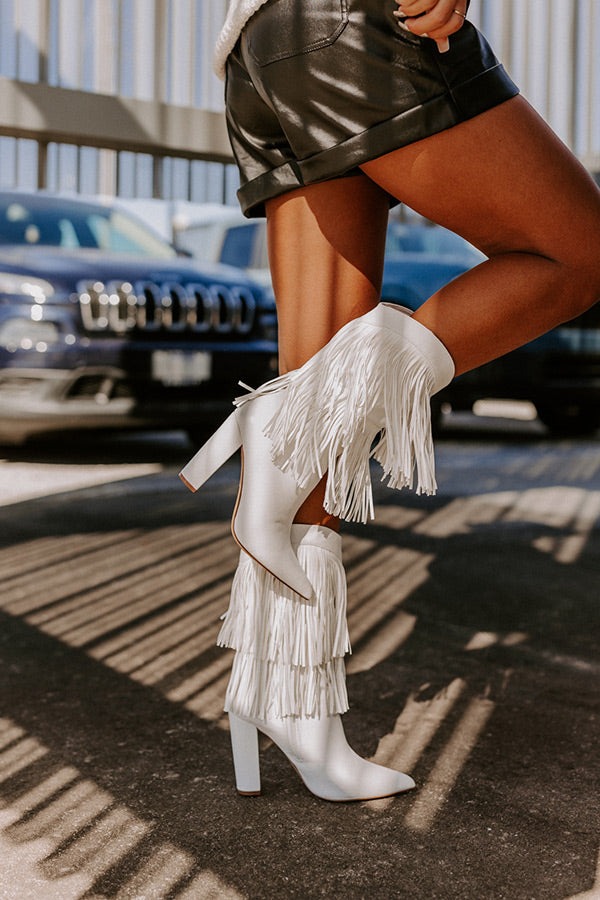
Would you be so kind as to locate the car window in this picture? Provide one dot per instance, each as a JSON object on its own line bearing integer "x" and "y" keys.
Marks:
{"x": 201, "y": 240}
{"x": 53, "y": 223}
{"x": 68, "y": 236}
{"x": 119, "y": 233}
{"x": 403, "y": 239}
{"x": 238, "y": 245}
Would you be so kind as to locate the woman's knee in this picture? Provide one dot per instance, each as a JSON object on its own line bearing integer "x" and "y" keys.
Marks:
{"x": 580, "y": 265}
{"x": 585, "y": 290}
{"x": 578, "y": 284}
{"x": 575, "y": 245}
{"x": 571, "y": 265}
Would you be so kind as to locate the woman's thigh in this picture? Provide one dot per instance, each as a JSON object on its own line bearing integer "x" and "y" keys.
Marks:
{"x": 502, "y": 180}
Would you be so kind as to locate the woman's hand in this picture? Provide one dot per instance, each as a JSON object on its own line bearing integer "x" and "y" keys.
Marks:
{"x": 436, "y": 19}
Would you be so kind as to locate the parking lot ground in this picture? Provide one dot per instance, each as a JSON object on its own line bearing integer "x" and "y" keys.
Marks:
{"x": 474, "y": 617}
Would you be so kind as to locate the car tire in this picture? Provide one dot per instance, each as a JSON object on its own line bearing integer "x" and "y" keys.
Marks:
{"x": 569, "y": 420}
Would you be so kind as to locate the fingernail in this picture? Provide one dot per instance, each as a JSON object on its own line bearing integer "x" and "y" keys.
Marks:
{"x": 403, "y": 26}
{"x": 443, "y": 45}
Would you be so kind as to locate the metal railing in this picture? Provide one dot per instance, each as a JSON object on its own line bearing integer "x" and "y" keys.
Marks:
{"x": 113, "y": 96}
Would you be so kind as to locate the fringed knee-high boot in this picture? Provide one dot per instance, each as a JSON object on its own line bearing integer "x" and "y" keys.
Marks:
{"x": 288, "y": 676}
{"x": 376, "y": 376}
{"x": 364, "y": 394}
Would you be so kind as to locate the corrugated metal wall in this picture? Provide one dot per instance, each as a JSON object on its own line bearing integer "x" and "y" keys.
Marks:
{"x": 156, "y": 50}
{"x": 551, "y": 49}
{"x": 160, "y": 50}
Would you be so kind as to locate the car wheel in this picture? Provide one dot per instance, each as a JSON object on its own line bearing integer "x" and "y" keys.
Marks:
{"x": 570, "y": 420}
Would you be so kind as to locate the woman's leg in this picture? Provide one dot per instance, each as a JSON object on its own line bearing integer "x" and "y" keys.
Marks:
{"x": 502, "y": 180}
{"x": 505, "y": 182}
{"x": 326, "y": 244}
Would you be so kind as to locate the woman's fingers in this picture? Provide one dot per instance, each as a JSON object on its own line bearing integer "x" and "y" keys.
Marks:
{"x": 415, "y": 7}
{"x": 436, "y": 21}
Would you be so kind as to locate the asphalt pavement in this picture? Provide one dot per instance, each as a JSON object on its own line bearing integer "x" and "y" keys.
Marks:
{"x": 475, "y": 624}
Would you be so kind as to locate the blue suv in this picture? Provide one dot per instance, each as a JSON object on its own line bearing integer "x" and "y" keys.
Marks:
{"x": 104, "y": 324}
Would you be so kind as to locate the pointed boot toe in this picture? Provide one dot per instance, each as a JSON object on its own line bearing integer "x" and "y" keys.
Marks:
{"x": 319, "y": 752}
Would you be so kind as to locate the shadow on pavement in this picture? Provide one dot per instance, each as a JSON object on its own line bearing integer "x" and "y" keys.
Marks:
{"x": 474, "y": 621}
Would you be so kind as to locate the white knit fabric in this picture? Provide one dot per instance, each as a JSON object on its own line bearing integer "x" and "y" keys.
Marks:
{"x": 237, "y": 15}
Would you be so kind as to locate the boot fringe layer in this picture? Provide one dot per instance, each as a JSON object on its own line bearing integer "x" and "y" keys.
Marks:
{"x": 262, "y": 689}
{"x": 271, "y": 622}
{"x": 289, "y": 650}
{"x": 370, "y": 382}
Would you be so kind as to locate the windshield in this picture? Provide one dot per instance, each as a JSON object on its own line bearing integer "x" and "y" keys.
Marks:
{"x": 433, "y": 241}
{"x": 72, "y": 226}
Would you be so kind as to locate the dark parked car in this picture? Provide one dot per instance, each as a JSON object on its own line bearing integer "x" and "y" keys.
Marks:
{"x": 559, "y": 372}
{"x": 104, "y": 324}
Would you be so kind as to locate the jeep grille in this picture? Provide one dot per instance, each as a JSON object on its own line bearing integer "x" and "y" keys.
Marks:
{"x": 119, "y": 307}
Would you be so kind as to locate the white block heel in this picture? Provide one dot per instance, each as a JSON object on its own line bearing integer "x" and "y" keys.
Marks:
{"x": 215, "y": 452}
{"x": 244, "y": 747}
{"x": 318, "y": 751}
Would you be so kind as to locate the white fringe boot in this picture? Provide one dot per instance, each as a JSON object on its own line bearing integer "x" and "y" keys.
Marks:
{"x": 373, "y": 381}
{"x": 288, "y": 675}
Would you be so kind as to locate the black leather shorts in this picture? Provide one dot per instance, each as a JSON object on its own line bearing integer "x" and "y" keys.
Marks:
{"x": 314, "y": 88}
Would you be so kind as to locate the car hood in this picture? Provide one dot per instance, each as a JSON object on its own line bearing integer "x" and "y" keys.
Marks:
{"x": 65, "y": 267}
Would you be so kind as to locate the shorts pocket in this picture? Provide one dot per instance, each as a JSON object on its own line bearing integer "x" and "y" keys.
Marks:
{"x": 285, "y": 28}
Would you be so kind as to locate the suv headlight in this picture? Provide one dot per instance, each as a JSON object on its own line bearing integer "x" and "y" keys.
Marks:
{"x": 27, "y": 334}
{"x": 17, "y": 283}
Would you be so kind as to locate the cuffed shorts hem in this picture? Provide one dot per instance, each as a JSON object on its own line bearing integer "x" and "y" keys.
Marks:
{"x": 313, "y": 91}
{"x": 477, "y": 95}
